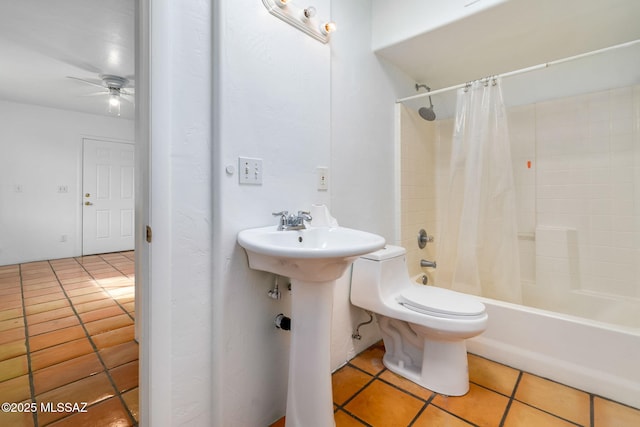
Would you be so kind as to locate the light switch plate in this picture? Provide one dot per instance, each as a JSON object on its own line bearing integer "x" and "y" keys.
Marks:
{"x": 250, "y": 170}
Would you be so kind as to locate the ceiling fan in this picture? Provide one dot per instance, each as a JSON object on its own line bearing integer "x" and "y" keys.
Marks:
{"x": 115, "y": 87}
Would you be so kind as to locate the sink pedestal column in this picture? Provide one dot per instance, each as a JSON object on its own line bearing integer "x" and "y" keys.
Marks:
{"x": 309, "y": 396}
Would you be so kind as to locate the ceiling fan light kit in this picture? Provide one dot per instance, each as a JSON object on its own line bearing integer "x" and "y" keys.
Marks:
{"x": 115, "y": 88}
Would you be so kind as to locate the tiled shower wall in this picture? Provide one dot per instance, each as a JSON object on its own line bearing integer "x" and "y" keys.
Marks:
{"x": 418, "y": 186}
{"x": 587, "y": 181}
{"x": 576, "y": 164}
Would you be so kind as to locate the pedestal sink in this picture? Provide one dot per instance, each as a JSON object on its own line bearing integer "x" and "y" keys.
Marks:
{"x": 313, "y": 259}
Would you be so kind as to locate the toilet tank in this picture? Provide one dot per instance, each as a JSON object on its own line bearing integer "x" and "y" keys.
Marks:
{"x": 378, "y": 276}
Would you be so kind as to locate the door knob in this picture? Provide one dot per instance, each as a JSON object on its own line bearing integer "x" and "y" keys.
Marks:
{"x": 88, "y": 203}
{"x": 87, "y": 195}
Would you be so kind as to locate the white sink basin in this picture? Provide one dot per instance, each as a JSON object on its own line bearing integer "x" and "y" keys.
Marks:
{"x": 314, "y": 254}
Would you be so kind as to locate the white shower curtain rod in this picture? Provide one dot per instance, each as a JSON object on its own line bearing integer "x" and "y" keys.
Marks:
{"x": 523, "y": 70}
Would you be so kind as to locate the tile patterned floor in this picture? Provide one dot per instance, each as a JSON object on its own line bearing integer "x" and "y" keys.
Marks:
{"x": 365, "y": 393}
{"x": 66, "y": 338}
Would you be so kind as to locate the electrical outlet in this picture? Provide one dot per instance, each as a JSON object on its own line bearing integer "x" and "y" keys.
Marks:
{"x": 63, "y": 188}
{"x": 250, "y": 170}
{"x": 323, "y": 178}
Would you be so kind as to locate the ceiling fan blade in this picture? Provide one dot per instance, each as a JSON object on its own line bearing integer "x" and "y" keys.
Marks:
{"x": 87, "y": 81}
{"x": 96, "y": 93}
{"x": 130, "y": 92}
{"x": 126, "y": 99}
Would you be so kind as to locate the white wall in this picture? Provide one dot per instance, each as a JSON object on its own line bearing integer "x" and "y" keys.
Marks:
{"x": 174, "y": 81}
{"x": 42, "y": 150}
{"x": 273, "y": 93}
{"x": 363, "y": 93}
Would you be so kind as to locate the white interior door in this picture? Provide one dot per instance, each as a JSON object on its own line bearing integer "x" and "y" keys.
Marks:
{"x": 108, "y": 197}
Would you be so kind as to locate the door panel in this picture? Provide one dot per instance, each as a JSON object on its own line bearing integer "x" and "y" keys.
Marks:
{"x": 108, "y": 197}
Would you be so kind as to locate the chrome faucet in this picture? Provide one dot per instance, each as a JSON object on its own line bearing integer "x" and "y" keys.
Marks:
{"x": 292, "y": 222}
{"x": 429, "y": 264}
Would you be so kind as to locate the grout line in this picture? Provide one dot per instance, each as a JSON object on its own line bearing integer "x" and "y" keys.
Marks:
{"x": 428, "y": 401}
{"x": 373, "y": 378}
{"x": 512, "y": 396}
{"x": 116, "y": 268}
{"x": 119, "y": 394}
{"x": 102, "y": 287}
{"x": 549, "y": 413}
{"x": 362, "y": 370}
{"x": 489, "y": 388}
{"x": 27, "y": 347}
{"x": 454, "y": 414}
{"x": 353, "y": 416}
{"x": 511, "y": 399}
{"x": 613, "y": 401}
{"x": 97, "y": 353}
{"x": 424, "y": 408}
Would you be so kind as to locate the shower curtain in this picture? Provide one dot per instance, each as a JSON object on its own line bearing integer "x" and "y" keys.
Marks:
{"x": 478, "y": 242}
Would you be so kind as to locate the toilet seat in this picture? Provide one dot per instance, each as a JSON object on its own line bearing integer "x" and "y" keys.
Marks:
{"x": 440, "y": 302}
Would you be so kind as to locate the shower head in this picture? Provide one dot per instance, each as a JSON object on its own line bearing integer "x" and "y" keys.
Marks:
{"x": 426, "y": 113}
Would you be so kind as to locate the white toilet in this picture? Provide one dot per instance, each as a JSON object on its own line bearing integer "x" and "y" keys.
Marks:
{"x": 423, "y": 327}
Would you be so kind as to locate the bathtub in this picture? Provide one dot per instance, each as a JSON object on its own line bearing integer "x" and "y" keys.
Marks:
{"x": 592, "y": 356}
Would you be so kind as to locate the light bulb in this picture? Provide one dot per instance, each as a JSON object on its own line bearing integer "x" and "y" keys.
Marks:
{"x": 328, "y": 27}
{"x": 114, "y": 104}
{"x": 309, "y": 12}
{"x": 282, "y": 3}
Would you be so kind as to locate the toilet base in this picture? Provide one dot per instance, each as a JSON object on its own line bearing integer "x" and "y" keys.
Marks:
{"x": 444, "y": 367}
{"x": 437, "y": 365}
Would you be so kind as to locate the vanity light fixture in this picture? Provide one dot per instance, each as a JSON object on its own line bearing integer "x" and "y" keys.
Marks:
{"x": 300, "y": 18}
{"x": 328, "y": 27}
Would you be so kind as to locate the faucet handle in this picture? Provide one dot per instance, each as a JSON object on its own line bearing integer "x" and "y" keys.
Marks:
{"x": 282, "y": 222}
{"x": 423, "y": 238}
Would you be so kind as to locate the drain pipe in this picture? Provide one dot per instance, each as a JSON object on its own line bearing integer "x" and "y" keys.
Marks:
{"x": 282, "y": 322}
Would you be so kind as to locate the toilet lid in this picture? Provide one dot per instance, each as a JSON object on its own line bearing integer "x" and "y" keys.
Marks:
{"x": 431, "y": 299}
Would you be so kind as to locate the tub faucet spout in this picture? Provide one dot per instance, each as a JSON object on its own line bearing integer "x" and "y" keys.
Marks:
{"x": 429, "y": 264}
